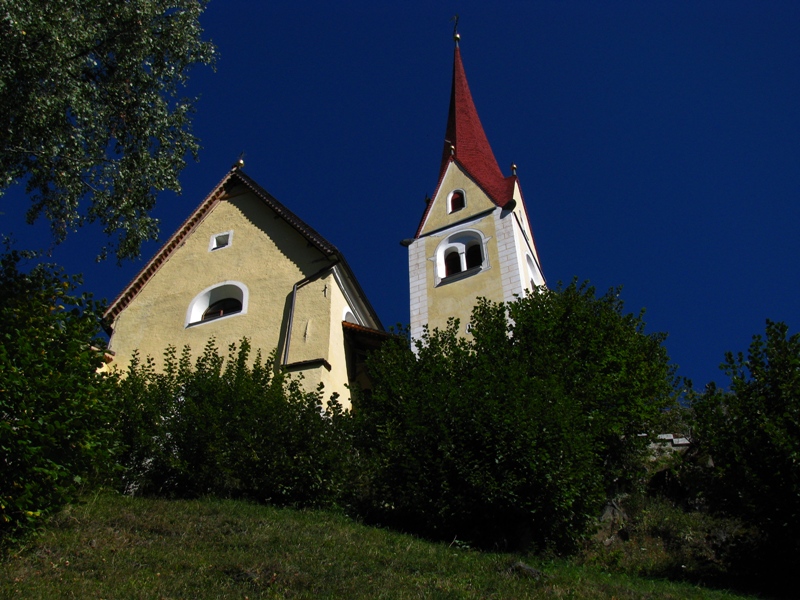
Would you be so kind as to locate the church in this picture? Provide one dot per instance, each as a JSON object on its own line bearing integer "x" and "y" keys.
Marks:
{"x": 474, "y": 239}
{"x": 244, "y": 265}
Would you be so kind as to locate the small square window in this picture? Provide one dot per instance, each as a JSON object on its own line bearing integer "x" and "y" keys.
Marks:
{"x": 220, "y": 240}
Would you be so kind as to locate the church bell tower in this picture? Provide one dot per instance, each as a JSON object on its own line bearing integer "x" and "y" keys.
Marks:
{"x": 474, "y": 239}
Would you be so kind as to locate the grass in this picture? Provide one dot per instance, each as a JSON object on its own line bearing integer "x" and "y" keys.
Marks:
{"x": 120, "y": 547}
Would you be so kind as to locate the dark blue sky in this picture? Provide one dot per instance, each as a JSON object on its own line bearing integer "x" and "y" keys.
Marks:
{"x": 658, "y": 145}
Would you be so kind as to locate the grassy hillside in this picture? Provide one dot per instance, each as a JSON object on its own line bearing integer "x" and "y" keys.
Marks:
{"x": 119, "y": 547}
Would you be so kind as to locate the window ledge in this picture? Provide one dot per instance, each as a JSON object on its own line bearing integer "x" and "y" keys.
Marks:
{"x": 311, "y": 363}
{"x": 461, "y": 275}
{"x": 217, "y": 318}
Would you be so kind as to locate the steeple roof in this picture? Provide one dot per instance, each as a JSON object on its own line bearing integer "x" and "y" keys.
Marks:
{"x": 466, "y": 144}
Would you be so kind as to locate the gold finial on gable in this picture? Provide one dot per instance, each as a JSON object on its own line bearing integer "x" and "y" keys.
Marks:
{"x": 239, "y": 163}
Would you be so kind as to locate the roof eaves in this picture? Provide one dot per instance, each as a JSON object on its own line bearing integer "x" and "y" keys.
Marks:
{"x": 377, "y": 333}
{"x": 360, "y": 291}
{"x": 442, "y": 173}
{"x": 130, "y": 291}
{"x": 287, "y": 215}
{"x": 470, "y": 219}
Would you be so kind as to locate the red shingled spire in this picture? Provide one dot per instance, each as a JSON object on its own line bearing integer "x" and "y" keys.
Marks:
{"x": 466, "y": 145}
{"x": 466, "y": 142}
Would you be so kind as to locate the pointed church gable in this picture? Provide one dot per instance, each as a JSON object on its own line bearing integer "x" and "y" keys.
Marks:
{"x": 533, "y": 275}
{"x": 521, "y": 210}
{"x": 223, "y": 190}
{"x": 523, "y": 218}
{"x": 458, "y": 198}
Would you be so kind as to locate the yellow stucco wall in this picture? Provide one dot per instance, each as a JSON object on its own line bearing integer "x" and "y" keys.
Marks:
{"x": 268, "y": 256}
{"x": 476, "y": 200}
{"x": 317, "y": 333}
{"x": 311, "y": 325}
{"x": 336, "y": 349}
{"x": 457, "y": 298}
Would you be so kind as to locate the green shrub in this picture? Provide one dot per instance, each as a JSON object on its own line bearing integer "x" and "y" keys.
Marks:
{"x": 751, "y": 434}
{"x": 228, "y": 428}
{"x": 55, "y": 409}
{"x": 517, "y": 435}
{"x": 661, "y": 539}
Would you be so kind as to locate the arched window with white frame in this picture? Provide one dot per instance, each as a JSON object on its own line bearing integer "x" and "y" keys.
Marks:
{"x": 224, "y": 299}
{"x": 461, "y": 254}
{"x": 456, "y": 200}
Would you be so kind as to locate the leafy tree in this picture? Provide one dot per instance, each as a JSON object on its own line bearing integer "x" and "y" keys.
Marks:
{"x": 229, "y": 428}
{"x": 752, "y": 435}
{"x": 519, "y": 433}
{"x": 89, "y": 109}
{"x": 55, "y": 410}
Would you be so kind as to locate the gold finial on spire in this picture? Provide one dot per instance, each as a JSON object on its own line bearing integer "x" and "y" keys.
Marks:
{"x": 456, "y": 35}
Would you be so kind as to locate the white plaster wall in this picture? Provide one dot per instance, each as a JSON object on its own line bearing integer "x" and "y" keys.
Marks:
{"x": 418, "y": 289}
{"x": 508, "y": 253}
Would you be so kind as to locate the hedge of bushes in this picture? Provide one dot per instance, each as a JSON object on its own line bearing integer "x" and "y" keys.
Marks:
{"x": 515, "y": 437}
